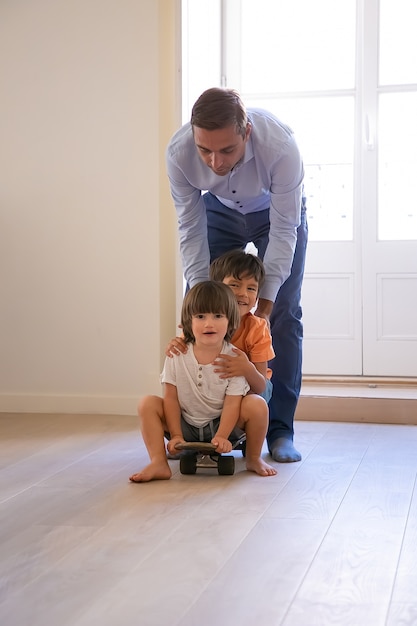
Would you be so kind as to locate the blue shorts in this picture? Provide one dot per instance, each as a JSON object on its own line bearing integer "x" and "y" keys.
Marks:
{"x": 266, "y": 395}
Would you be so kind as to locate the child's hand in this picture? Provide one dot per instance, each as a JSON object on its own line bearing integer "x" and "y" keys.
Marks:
{"x": 173, "y": 442}
{"x": 228, "y": 366}
{"x": 222, "y": 444}
{"x": 176, "y": 346}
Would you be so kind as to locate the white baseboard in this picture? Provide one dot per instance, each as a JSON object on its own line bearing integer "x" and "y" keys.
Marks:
{"x": 106, "y": 405}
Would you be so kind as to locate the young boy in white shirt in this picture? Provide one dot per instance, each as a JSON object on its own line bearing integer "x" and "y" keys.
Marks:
{"x": 198, "y": 404}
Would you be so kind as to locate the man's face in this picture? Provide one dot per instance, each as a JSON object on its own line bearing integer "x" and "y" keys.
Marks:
{"x": 221, "y": 149}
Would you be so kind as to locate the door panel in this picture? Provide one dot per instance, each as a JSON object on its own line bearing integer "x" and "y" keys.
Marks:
{"x": 331, "y": 310}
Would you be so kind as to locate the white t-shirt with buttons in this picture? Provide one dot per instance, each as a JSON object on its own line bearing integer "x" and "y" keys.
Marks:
{"x": 201, "y": 392}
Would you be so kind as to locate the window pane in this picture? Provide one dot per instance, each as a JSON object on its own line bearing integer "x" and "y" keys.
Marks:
{"x": 200, "y": 63}
{"x": 326, "y": 145}
{"x": 398, "y": 42}
{"x": 282, "y": 52}
{"x": 397, "y": 166}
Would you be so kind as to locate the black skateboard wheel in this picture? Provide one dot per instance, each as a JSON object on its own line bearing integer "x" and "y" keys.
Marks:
{"x": 188, "y": 463}
{"x": 226, "y": 465}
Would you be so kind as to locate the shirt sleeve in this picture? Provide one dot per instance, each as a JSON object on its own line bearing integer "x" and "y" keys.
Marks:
{"x": 285, "y": 214}
{"x": 237, "y": 386}
{"x": 260, "y": 343}
{"x": 168, "y": 374}
{"x": 192, "y": 225}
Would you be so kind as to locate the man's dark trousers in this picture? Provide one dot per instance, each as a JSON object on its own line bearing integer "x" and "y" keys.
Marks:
{"x": 230, "y": 230}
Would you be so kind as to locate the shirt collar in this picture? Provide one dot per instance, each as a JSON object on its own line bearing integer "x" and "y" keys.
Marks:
{"x": 248, "y": 155}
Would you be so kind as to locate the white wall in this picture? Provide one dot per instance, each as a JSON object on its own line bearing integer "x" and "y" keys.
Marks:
{"x": 84, "y": 203}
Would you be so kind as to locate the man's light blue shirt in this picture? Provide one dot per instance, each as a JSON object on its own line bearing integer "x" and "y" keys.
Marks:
{"x": 269, "y": 175}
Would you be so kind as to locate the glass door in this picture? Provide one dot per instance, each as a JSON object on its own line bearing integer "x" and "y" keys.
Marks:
{"x": 343, "y": 76}
{"x": 389, "y": 201}
{"x": 302, "y": 68}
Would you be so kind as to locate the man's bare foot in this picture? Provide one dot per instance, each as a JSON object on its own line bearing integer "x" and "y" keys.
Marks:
{"x": 260, "y": 467}
{"x": 154, "y": 471}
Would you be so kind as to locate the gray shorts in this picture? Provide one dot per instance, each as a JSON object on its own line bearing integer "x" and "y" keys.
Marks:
{"x": 205, "y": 433}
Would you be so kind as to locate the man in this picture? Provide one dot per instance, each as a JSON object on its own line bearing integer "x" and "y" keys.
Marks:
{"x": 236, "y": 177}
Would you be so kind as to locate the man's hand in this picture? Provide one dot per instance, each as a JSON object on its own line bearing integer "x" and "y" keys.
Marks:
{"x": 222, "y": 444}
{"x": 264, "y": 309}
{"x": 228, "y": 366}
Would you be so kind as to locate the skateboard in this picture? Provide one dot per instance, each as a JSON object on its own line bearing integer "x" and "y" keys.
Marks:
{"x": 199, "y": 454}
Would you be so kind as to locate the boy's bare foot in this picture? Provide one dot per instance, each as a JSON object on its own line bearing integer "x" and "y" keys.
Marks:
{"x": 260, "y": 467}
{"x": 154, "y": 471}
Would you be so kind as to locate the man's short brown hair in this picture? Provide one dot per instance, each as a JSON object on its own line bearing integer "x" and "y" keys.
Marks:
{"x": 219, "y": 108}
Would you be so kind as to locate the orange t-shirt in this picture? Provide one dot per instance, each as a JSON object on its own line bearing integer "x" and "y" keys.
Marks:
{"x": 253, "y": 338}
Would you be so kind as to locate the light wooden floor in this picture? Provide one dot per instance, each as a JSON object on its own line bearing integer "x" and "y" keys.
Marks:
{"x": 331, "y": 540}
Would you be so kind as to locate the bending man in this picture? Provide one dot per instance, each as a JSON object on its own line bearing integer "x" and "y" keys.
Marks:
{"x": 236, "y": 177}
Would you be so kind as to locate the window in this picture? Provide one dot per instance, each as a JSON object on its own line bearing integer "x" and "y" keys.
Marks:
{"x": 397, "y": 120}
{"x": 320, "y": 76}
